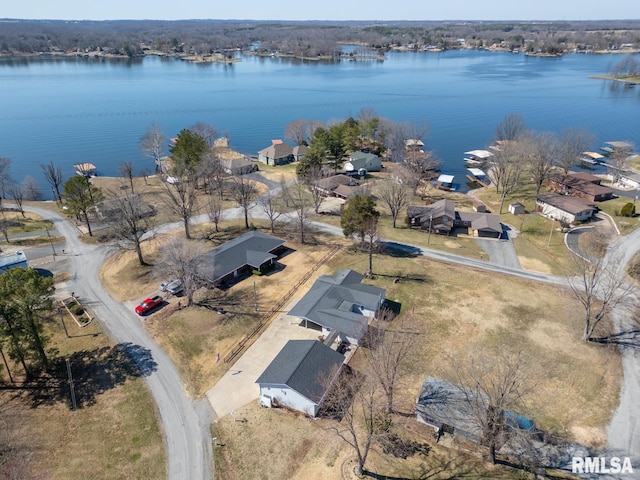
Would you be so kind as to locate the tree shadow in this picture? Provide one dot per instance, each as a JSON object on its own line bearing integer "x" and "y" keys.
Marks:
{"x": 94, "y": 372}
{"x": 400, "y": 250}
{"x": 626, "y": 339}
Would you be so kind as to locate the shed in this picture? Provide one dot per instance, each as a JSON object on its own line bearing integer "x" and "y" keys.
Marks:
{"x": 517, "y": 208}
{"x": 300, "y": 376}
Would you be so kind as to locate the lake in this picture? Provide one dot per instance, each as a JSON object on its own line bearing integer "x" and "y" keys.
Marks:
{"x": 78, "y": 110}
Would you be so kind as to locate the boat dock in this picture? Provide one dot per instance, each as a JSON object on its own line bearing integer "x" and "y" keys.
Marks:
{"x": 445, "y": 182}
{"x": 478, "y": 176}
{"x": 477, "y": 157}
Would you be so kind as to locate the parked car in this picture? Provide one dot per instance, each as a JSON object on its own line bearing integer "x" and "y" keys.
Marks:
{"x": 163, "y": 286}
{"x": 174, "y": 287}
{"x": 149, "y": 304}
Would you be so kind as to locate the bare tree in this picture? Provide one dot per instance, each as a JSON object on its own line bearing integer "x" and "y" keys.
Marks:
{"x": 297, "y": 197}
{"x": 244, "y": 192}
{"x": 216, "y": 210}
{"x": 390, "y": 352}
{"x": 126, "y": 170}
{"x": 53, "y": 176}
{"x": 4, "y": 224}
{"x": 130, "y": 219}
{"x": 298, "y": 131}
{"x": 153, "y": 143}
{"x": 492, "y": 384}
{"x": 311, "y": 179}
{"x": 272, "y": 205}
{"x": 5, "y": 163}
{"x": 181, "y": 188}
{"x": 511, "y": 128}
{"x": 31, "y": 188}
{"x": 571, "y": 144}
{"x": 394, "y": 194}
{"x": 206, "y": 131}
{"x": 180, "y": 259}
{"x": 540, "y": 150}
{"x": 354, "y": 400}
{"x": 212, "y": 170}
{"x": 618, "y": 162}
{"x": 505, "y": 172}
{"x": 397, "y": 134}
{"x": 600, "y": 287}
{"x": 16, "y": 192}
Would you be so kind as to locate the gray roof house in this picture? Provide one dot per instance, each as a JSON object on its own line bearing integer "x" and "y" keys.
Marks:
{"x": 340, "y": 303}
{"x": 565, "y": 208}
{"x": 252, "y": 251}
{"x": 278, "y": 153}
{"x": 299, "y": 376}
{"x": 369, "y": 161}
{"x": 439, "y": 217}
{"x": 299, "y": 151}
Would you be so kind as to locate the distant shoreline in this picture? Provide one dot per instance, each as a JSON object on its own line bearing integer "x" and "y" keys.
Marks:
{"x": 626, "y": 80}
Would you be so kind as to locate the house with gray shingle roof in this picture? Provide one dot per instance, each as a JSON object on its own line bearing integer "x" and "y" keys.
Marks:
{"x": 278, "y": 153}
{"x": 300, "y": 376}
{"x": 369, "y": 161}
{"x": 340, "y": 303}
{"x": 252, "y": 251}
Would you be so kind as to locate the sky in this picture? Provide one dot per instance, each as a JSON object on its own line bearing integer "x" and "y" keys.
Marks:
{"x": 321, "y": 10}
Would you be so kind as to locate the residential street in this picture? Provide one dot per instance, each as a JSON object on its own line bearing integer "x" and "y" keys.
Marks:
{"x": 185, "y": 424}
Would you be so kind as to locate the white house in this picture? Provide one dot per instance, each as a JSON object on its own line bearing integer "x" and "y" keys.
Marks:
{"x": 300, "y": 376}
{"x": 565, "y": 208}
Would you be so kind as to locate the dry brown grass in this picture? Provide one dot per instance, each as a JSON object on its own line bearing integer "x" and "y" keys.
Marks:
{"x": 116, "y": 437}
{"x": 193, "y": 336}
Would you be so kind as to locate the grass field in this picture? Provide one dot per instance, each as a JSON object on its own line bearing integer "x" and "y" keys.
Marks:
{"x": 113, "y": 434}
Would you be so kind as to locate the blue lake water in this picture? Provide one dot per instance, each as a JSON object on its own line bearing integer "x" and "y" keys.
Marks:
{"x": 77, "y": 110}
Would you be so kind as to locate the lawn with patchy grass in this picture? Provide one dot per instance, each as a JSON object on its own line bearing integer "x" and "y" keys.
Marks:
{"x": 113, "y": 434}
{"x": 460, "y": 309}
{"x": 194, "y": 336}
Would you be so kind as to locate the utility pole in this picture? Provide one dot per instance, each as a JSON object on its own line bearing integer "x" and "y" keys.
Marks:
{"x": 59, "y": 309}
{"x": 71, "y": 388}
{"x": 255, "y": 297}
{"x": 553, "y": 221}
{"x": 429, "y": 236}
{"x": 50, "y": 241}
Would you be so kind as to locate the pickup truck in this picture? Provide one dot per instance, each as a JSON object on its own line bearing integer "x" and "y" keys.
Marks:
{"x": 149, "y": 304}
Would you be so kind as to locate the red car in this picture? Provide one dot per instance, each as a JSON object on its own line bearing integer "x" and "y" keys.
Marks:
{"x": 149, "y": 304}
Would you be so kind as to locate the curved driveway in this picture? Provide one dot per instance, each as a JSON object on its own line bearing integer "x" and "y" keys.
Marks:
{"x": 185, "y": 423}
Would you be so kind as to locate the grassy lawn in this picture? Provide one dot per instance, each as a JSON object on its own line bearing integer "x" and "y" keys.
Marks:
{"x": 193, "y": 336}
{"x": 460, "y": 309}
{"x": 276, "y": 444}
{"x": 114, "y": 433}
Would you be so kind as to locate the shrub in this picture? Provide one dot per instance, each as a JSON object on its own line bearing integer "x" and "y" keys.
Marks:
{"x": 257, "y": 272}
{"x": 629, "y": 210}
{"x": 77, "y": 310}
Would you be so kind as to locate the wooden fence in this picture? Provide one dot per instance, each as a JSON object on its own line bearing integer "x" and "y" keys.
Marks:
{"x": 278, "y": 306}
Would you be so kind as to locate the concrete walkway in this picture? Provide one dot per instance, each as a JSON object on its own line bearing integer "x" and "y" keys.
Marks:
{"x": 237, "y": 387}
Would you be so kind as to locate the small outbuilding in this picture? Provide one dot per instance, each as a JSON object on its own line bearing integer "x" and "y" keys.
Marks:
{"x": 300, "y": 376}
{"x": 517, "y": 208}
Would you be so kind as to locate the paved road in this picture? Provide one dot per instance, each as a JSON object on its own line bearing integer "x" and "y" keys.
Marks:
{"x": 624, "y": 430}
{"x": 185, "y": 423}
